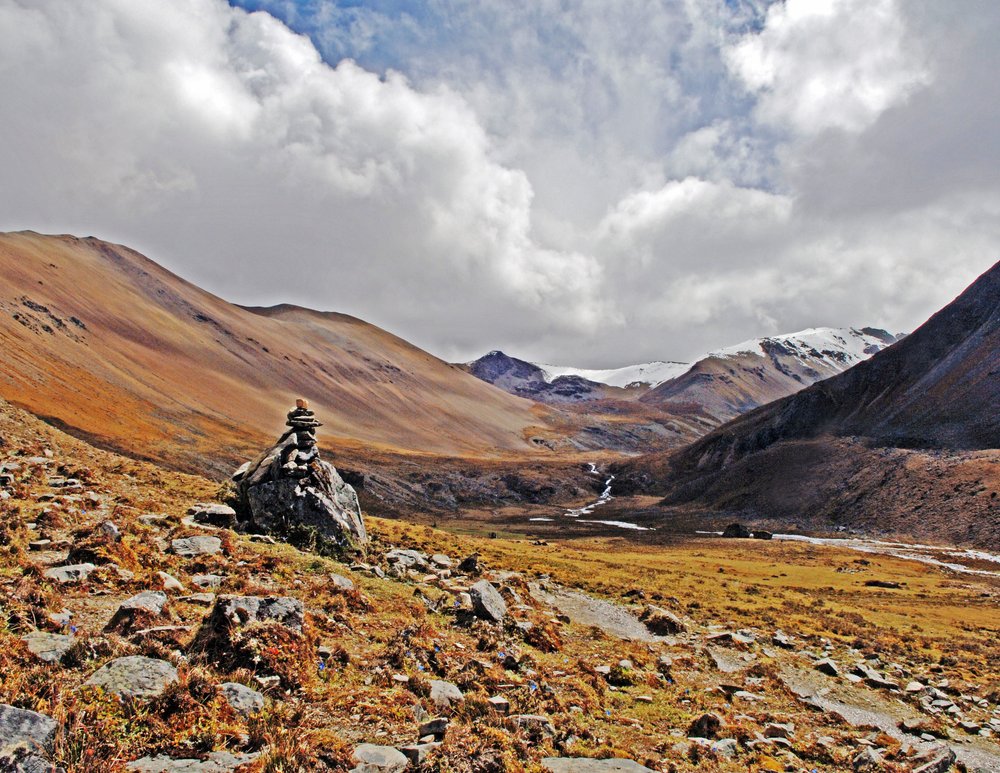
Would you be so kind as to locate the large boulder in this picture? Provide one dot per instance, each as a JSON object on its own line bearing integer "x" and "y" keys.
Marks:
{"x": 309, "y": 505}
{"x": 28, "y": 729}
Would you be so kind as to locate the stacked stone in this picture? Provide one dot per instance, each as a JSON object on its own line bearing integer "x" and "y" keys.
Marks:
{"x": 304, "y": 452}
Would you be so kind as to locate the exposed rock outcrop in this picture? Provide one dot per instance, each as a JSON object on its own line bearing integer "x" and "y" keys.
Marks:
{"x": 290, "y": 492}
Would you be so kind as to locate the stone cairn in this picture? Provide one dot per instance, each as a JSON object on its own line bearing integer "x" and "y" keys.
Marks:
{"x": 303, "y": 425}
{"x": 290, "y": 492}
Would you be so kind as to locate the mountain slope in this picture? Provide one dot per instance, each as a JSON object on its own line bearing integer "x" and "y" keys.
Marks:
{"x": 101, "y": 340}
{"x": 905, "y": 442}
{"x": 731, "y": 381}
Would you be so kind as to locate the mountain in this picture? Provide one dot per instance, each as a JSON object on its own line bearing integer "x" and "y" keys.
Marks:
{"x": 731, "y": 381}
{"x": 905, "y": 441}
{"x": 102, "y": 341}
{"x": 718, "y": 386}
{"x": 526, "y": 379}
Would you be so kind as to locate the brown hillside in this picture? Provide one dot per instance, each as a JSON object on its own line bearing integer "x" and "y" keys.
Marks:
{"x": 104, "y": 342}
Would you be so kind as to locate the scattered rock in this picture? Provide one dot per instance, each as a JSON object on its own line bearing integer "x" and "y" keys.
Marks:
{"x": 71, "y": 573}
{"x": 417, "y": 753}
{"x": 207, "y": 580}
{"x": 706, "y": 726}
{"x": 110, "y": 530}
{"x": 138, "y": 612}
{"x": 24, "y": 728}
{"x": 242, "y": 699}
{"x": 189, "y": 547}
{"x": 47, "y": 647}
{"x": 867, "y": 759}
{"x": 662, "y": 622}
{"x": 487, "y": 602}
{"x": 827, "y": 666}
{"x": 237, "y": 611}
{"x": 444, "y": 694}
{"x": 378, "y": 759}
{"x": 938, "y": 759}
{"x": 170, "y": 583}
{"x": 341, "y": 582}
{"x": 587, "y": 765}
{"x": 533, "y": 723}
{"x": 134, "y": 676}
{"x": 222, "y": 516}
{"x": 216, "y": 762}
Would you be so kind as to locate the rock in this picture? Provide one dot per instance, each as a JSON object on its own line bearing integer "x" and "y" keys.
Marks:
{"x": 341, "y": 582}
{"x": 378, "y": 759}
{"x": 882, "y": 584}
{"x": 827, "y": 666}
{"x": 587, "y": 765}
{"x": 867, "y": 759}
{"x": 441, "y": 561}
{"x": 189, "y": 547}
{"x": 32, "y": 763}
{"x": 436, "y": 727}
{"x": 779, "y": 730}
{"x": 170, "y": 583}
{"x": 222, "y": 516}
{"x": 407, "y": 559}
{"x": 706, "y": 726}
{"x": 207, "y": 580}
{"x": 110, "y": 530}
{"x": 444, "y": 694}
{"x": 138, "y": 612}
{"x": 737, "y": 530}
{"x": 242, "y": 699}
{"x": 470, "y": 565}
{"x": 727, "y": 747}
{"x": 217, "y": 762}
{"x": 237, "y": 611}
{"x": 533, "y": 723}
{"x": 134, "y": 676}
{"x": 662, "y": 622}
{"x": 37, "y": 545}
{"x": 417, "y": 753}
{"x": 289, "y": 492}
{"x": 28, "y": 729}
{"x": 761, "y": 534}
{"x": 48, "y": 647}
{"x": 781, "y": 639}
{"x": 487, "y": 602}
{"x": 500, "y": 703}
{"x": 873, "y": 678}
{"x": 71, "y": 573}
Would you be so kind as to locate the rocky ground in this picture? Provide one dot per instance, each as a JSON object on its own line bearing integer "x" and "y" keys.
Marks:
{"x": 139, "y": 632}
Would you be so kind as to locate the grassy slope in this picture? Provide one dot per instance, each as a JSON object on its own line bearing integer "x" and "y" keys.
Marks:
{"x": 935, "y": 621}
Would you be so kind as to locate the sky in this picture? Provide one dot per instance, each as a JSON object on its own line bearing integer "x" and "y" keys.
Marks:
{"x": 572, "y": 181}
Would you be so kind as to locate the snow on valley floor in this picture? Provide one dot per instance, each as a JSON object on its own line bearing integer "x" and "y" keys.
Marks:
{"x": 933, "y": 555}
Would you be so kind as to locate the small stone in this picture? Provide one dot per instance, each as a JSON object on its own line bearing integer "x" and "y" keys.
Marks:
{"x": 213, "y": 514}
{"x": 779, "y": 730}
{"x": 378, "y": 759}
{"x": 71, "y": 573}
{"x": 207, "y": 580}
{"x": 27, "y": 729}
{"x": 242, "y": 699}
{"x": 436, "y": 728}
{"x": 48, "y": 647}
{"x": 37, "y": 545}
{"x": 417, "y": 753}
{"x": 828, "y": 667}
{"x": 867, "y": 759}
{"x": 914, "y": 687}
{"x": 706, "y": 726}
{"x": 662, "y": 622}
{"x": 444, "y": 694}
{"x": 487, "y": 601}
{"x": 170, "y": 583}
{"x": 533, "y": 722}
{"x": 189, "y": 547}
{"x": 500, "y": 704}
{"x": 727, "y": 747}
{"x": 341, "y": 582}
{"x": 441, "y": 561}
{"x": 588, "y": 765}
{"x": 134, "y": 676}
{"x": 110, "y": 530}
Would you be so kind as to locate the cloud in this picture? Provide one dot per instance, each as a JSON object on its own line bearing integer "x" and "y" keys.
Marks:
{"x": 822, "y": 64}
{"x": 564, "y": 182}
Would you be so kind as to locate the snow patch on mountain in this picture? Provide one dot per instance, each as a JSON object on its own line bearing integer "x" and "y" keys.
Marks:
{"x": 651, "y": 373}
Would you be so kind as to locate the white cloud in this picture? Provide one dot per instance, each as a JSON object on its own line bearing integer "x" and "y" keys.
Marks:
{"x": 820, "y": 64}
{"x": 565, "y": 181}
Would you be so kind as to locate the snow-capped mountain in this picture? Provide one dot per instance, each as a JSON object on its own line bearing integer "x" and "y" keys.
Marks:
{"x": 721, "y": 384}
{"x": 650, "y": 374}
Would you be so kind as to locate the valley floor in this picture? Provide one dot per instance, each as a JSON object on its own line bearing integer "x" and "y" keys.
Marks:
{"x": 755, "y": 655}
